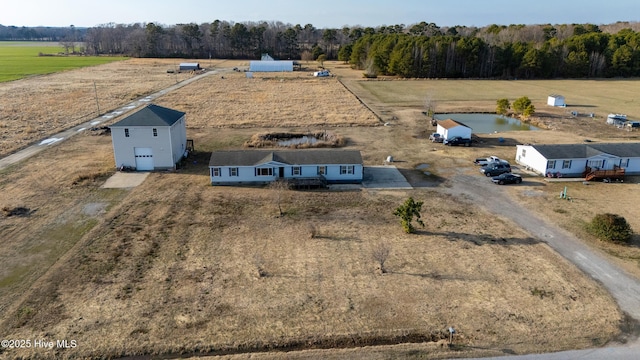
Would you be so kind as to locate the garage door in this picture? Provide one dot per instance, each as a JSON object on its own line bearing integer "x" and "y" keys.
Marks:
{"x": 144, "y": 158}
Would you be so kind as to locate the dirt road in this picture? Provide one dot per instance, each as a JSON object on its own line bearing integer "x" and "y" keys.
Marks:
{"x": 623, "y": 287}
{"x": 64, "y": 135}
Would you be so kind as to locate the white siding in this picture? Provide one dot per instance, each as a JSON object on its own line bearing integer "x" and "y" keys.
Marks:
{"x": 247, "y": 174}
{"x": 271, "y": 66}
{"x": 528, "y": 156}
{"x": 168, "y": 146}
{"x": 555, "y": 100}
{"x": 178, "y": 139}
{"x": 460, "y": 130}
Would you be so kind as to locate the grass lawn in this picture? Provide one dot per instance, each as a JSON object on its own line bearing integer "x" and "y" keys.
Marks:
{"x": 21, "y": 59}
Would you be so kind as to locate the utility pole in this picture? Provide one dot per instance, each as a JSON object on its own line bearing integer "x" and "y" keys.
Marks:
{"x": 95, "y": 89}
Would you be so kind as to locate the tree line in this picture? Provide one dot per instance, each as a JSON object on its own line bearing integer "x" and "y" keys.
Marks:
{"x": 418, "y": 50}
{"x": 574, "y": 51}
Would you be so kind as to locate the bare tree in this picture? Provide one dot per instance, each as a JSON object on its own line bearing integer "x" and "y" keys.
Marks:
{"x": 429, "y": 104}
{"x": 380, "y": 254}
{"x": 279, "y": 189}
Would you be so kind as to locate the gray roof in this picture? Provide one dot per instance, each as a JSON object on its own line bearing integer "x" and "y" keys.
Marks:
{"x": 291, "y": 157}
{"x": 584, "y": 151}
{"x": 151, "y": 115}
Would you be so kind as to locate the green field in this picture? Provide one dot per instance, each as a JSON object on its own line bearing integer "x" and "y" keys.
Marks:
{"x": 22, "y": 59}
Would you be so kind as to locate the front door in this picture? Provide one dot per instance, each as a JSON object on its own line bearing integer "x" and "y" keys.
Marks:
{"x": 281, "y": 172}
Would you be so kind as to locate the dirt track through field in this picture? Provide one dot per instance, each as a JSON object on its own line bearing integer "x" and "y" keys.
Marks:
{"x": 63, "y": 135}
{"x": 624, "y": 288}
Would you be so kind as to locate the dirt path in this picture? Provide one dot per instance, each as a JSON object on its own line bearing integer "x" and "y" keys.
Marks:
{"x": 623, "y": 287}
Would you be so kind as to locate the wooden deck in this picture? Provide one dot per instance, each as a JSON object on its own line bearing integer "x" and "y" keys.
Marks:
{"x": 616, "y": 173}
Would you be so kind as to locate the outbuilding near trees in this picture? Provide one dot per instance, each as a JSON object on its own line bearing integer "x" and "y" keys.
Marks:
{"x": 189, "y": 66}
{"x": 268, "y": 64}
{"x": 152, "y": 138}
{"x": 556, "y": 100}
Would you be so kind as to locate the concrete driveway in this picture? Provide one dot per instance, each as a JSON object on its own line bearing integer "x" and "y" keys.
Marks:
{"x": 125, "y": 180}
{"x": 384, "y": 177}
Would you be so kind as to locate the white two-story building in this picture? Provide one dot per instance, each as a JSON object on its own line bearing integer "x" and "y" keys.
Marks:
{"x": 152, "y": 138}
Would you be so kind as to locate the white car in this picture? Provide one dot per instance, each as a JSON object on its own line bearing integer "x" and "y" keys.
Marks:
{"x": 321, "y": 73}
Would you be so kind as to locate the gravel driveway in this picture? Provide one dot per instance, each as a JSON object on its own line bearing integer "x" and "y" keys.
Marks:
{"x": 623, "y": 287}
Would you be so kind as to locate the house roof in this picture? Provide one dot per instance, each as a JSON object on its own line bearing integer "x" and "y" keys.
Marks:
{"x": 151, "y": 115}
{"x": 291, "y": 157}
{"x": 584, "y": 151}
{"x": 450, "y": 123}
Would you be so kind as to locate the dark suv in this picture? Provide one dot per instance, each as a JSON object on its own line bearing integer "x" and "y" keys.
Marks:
{"x": 495, "y": 169}
{"x": 457, "y": 140}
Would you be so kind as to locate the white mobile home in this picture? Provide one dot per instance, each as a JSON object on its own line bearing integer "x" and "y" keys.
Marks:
{"x": 450, "y": 128}
{"x": 556, "y": 100}
{"x": 573, "y": 160}
{"x": 265, "y": 166}
{"x": 152, "y": 138}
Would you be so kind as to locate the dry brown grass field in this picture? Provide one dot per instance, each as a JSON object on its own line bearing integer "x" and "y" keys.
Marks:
{"x": 176, "y": 266}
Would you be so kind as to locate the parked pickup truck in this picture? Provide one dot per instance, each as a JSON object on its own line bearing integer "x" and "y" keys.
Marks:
{"x": 457, "y": 140}
{"x": 488, "y": 160}
{"x": 495, "y": 169}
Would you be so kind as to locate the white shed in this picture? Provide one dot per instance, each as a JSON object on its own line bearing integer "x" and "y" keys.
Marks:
{"x": 556, "y": 100}
{"x": 152, "y": 138}
{"x": 450, "y": 128}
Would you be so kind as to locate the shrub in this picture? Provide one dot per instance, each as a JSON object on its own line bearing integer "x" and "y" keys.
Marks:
{"x": 610, "y": 227}
{"x": 502, "y": 106}
{"x": 407, "y": 211}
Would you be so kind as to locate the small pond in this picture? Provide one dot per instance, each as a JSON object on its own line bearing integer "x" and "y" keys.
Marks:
{"x": 298, "y": 141}
{"x": 488, "y": 123}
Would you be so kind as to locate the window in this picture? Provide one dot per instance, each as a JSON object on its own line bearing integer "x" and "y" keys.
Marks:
{"x": 551, "y": 164}
{"x": 126, "y": 132}
{"x": 595, "y": 164}
{"x": 264, "y": 171}
{"x": 155, "y": 132}
{"x": 216, "y": 172}
{"x": 322, "y": 170}
{"x": 624, "y": 163}
{"x": 233, "y": 171}
{"x": 346, "y": 169}
{"x": 524, "y": 152}
{"x": 566, "y": 164}
{"x": 296, "y": 171}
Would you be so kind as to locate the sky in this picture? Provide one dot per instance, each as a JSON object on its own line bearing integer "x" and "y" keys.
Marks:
{"x": 321, "y": 14}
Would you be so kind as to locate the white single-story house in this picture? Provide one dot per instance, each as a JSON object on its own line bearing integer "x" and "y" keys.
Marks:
{"x": 556, "y": 100}
{"x": 450, "y": 128}
{"x": 264, "y": 166}
{"x": 189, "y": 66}
{"x": 152, "y": 138}
{"x": 572, "y": 160}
